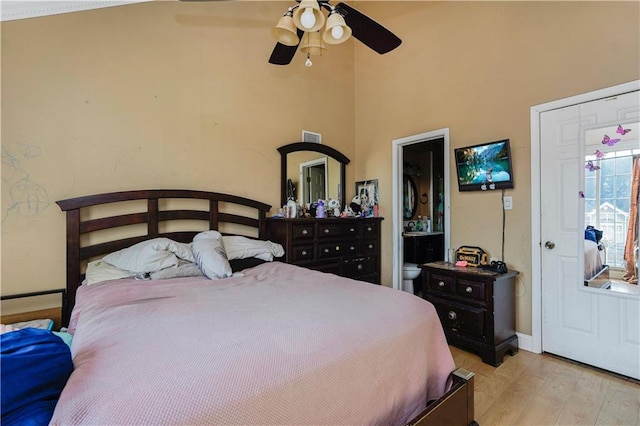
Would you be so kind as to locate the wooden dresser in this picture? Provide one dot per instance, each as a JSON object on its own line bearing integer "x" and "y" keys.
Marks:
{"x": 476, "y": 307}
{"x": 348, "y": 247}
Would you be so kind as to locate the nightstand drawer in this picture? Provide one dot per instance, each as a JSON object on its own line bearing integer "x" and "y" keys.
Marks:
{"x": 302, "y": 231}
{"x": 470, "y": 289}
{"x": 302, "y": 253}
{"x": 459, "y": 318}
{"x": 331, "y": 230}
{"x": 441, "y": 283}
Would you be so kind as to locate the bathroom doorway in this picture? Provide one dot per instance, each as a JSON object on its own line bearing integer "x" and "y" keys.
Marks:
{"x": 422, "y": 159}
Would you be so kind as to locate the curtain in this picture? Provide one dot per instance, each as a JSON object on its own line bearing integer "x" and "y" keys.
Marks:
{"x": 631, "y": 245}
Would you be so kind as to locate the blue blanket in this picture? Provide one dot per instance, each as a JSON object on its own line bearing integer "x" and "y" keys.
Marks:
{"x": 34, "y": 367}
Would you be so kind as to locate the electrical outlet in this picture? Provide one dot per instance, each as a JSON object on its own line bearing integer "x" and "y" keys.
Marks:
{"x": 508, "y": 203}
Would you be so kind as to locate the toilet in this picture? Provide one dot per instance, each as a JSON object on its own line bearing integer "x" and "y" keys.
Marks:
{"x": 410, "y": 271}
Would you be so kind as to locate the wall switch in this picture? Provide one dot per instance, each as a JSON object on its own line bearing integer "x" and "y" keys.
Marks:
{"x": 508, "y": 203}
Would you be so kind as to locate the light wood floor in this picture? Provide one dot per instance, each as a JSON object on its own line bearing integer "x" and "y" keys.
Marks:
{"x": 534, "y": 389}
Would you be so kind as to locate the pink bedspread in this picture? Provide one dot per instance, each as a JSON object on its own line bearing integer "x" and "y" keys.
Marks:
{"x": 281, "y": 345}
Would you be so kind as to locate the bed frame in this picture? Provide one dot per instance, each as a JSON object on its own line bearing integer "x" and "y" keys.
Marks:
{"x": 154, "y": 213}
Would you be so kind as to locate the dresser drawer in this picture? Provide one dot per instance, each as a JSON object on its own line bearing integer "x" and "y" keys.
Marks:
{"x": 459, "y": 318}
{"x": 332, "y": 230}
{"x": 302, "y": 253}
{"x": 441, "y": 283}
{"x": 369, "y": 247}
{"x": 336, "y": 249}
{"x": 301, "y": 231}
{"x": 470, "y": 289}
{"x": 360, "y": 266}
{"x": 369, "y": 230}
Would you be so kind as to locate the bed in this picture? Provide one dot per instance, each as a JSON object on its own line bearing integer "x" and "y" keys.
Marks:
{"x": 272, "y": 344}
{"x": 596, "y": 273}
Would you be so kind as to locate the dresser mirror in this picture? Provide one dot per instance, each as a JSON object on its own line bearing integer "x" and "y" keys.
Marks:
{"x": 312, "y": 171}
{"x": 409, "y": 197}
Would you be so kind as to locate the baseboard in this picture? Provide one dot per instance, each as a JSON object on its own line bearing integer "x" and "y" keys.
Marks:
{"x": 525, "y": 342}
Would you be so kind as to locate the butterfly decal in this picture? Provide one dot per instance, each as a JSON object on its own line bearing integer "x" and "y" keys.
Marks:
{"x": 606, "y": 140}
{"x": 600, "y": 154}
{"x": 622, "y": 131}
{"x": 591, "y": 167}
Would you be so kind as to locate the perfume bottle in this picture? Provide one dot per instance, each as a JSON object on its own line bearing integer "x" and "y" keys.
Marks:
{"x": 419, "y": 224}
{"x": 320, "y": 209}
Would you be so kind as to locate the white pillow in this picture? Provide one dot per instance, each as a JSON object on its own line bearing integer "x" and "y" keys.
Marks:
{"x": 99, "y": 270}
{"x": 184, "y": 269}
{"x": 238, "y": 247}
{"x": 150, "y": 256}
{"x": 210, "y": 255}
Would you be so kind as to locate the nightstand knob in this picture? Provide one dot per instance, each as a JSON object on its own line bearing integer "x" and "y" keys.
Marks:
{"x": 369, "y": 229}
{"x": 304, "y": 252}
{"x": 337, "y": 248}
{"x": 352, "y": 248}
{"x": 370, "y": 246}
{"x": 326, "y": 231}
{"x": 468, "y": 289}
{"x": 359, "y": 267}
{"x": 326, "y": 250}
{"x": 452, "y": 315}
{"x": 305, "y": 232}
{"x": 352, "y": 229}
{"x": 441, "y": 284}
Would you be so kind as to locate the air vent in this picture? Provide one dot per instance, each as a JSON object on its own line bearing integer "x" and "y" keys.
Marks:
{"x": 308, "y": 136}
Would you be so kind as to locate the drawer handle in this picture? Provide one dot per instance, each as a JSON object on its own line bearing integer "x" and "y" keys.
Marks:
{"x": 352, "y": 248}
{"x": 337, "y": 248}
{"x": 304, "y": 252}
{"x": 352, "y": 229}
{"x": 369, "y": 229}
{"x": 305, "y": 232}
{"x": 441, "y": 284}
{"x": 326, "y": 231}
{"x": 468, "y": 289}
{"x": 326, "y": 250}
{"x": 359, "y": 267}
{"x": 452, "y": 315}
{"x": 371, "y": 246}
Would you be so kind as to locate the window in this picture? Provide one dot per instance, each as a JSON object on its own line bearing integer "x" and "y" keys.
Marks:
{"x": 607, "y": 201}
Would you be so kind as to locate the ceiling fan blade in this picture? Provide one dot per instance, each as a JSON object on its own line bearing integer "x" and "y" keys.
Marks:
{"x": 368, "y": 31}
{"x": 283, "y": 54}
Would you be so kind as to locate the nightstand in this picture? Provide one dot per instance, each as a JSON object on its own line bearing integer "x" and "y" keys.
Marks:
{"x": 476, "y": 308}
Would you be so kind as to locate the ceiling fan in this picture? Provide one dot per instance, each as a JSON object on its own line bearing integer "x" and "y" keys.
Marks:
{"x": 303, "y": 26}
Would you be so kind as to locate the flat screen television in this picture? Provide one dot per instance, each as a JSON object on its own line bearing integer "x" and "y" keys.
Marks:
{"x": 485, "y": 166}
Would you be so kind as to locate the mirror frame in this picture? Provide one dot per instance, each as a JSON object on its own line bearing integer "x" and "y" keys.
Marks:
{"x": 315, "y": 147}
{"x": 407, "y": 178}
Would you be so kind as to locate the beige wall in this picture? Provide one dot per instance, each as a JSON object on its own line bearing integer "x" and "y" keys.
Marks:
{"x": 153, "y": 95}
{"x": 477, "y": 68}
{"x": 166, "y": 94}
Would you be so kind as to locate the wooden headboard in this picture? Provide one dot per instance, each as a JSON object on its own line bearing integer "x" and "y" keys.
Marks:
{"x": 152, "y": 211}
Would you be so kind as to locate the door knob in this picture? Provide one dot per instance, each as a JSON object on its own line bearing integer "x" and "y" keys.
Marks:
{"x": 550, "y": 245}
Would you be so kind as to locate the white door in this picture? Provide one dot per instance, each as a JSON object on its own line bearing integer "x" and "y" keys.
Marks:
{"x": 594, "y": 326}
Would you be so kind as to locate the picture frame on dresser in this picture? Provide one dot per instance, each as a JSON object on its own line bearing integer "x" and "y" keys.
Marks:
{"x": 367, "y": 190}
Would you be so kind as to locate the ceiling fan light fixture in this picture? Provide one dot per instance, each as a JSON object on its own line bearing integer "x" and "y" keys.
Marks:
{"x": 312, "y": 44}
{"x": 336, "y": 30}
{"x": 285, "y": 31}
{"x": 308, "y": 16}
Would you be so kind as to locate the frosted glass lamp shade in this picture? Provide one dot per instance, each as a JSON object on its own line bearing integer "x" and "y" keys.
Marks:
{"x": 312, "y": 44}
{"x": 313, "y": 18}
{"x": 336, "y": 31}
{"x": 285, "y": 31}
